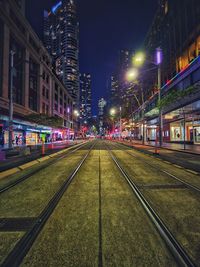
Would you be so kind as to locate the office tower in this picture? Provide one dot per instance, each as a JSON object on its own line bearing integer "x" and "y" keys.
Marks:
{"x": 85, "y": 97}
{"x": 61, "y": 31}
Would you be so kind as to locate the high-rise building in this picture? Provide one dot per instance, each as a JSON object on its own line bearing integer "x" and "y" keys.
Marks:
{"x": 61, "y": 38}
{"x": 37, "y": 92}
{"x": 85, "y": 97}
{"x": 21, "y": 5}
{"x": 119, "y": 91}
{"x": 101, "y": 105}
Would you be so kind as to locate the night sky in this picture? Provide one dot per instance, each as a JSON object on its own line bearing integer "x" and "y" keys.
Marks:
{"x": 106, "y": 26}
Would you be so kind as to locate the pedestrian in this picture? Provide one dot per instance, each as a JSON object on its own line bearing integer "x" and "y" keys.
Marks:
{"x": 16, "y": 140}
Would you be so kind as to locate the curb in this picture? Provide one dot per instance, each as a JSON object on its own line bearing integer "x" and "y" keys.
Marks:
{"x": 22, "y": 167}
{"x": 152, "y": 155}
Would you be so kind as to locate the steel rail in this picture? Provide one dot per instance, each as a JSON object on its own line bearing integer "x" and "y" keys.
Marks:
{"x": 20, "y": 250}
{"x": 174, "y": 246}
{"x": 26, "y": 176}
{"x": 188, "y": 185}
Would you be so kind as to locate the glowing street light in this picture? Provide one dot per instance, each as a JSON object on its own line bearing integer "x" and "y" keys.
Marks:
{"x": 112, "y": 112}
{"x": 131, "y": 74}
{"x": 76, "y": 113}
{"x": 139, "y": 59}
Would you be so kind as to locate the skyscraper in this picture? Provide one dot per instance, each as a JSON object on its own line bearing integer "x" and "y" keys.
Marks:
{"x": 119, "y": 90}
{"x": 61, "y": 38}
{"x": 85, "y": 96}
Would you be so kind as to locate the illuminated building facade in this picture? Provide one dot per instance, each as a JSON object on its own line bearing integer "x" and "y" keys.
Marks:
{"x": 61, "y": 38}
{"x": 36, "y": 89}
{"x": 176, "y": 30}
{"x": 119, "y": 89}
{"x": 101, "y": 114}
{"x": 85, "y": 97}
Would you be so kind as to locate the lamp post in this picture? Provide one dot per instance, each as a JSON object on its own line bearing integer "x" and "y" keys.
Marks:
{"x": 138, "y": 60}
{"x": 76, "y": 114}
{"x": 158, "y": 62}
{"x": 68, "y": 131}
{"x": 112, "y": 113}
{"x": 12, "y": 53}
{"x": 120, "y": 123}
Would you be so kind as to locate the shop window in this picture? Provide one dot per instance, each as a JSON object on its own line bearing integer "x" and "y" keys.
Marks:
{"x": 183, "y": 61}
{"x": 198, "y": 46}
{"x": 192, "y": 52}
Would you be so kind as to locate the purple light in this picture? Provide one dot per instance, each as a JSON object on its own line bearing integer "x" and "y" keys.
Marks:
{"x": 158, "y": 56}
{"x": 68, "y": 110}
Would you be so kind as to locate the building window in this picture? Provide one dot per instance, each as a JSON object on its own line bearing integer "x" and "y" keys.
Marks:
{"x": 33, "y": 84}
{"x": 47, "y": 78}
{"x": 1, "y": 55}
{"x": 18, "y": 77}
{"x": 43, "y": 108}
{"x": 43, "y": 91}
{"x": 47, "y": 94}
{"x": 43, "y": 75}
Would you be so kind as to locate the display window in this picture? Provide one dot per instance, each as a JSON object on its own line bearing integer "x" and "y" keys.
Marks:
{"x": 31, "y": 138}
{"x": 197, "y": 134}
{"x": 175, "y": 133}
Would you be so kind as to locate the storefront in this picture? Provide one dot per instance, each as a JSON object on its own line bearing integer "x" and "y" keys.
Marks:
{"x": 24, "y": 133}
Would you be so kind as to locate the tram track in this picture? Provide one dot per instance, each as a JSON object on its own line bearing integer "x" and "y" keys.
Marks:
{"x": 173, "y": 245}
{"x": 16, "y": 256}
{"x": 188, "y": 185}
{"x": 39, "y": 168}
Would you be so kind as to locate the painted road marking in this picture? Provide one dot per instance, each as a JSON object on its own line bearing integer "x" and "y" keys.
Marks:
{"x": 180, "y": 167}
{"x": 193, "y": 172}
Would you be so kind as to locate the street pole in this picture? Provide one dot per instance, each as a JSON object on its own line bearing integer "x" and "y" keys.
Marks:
{"x": 120, "y": 123}
{"x": 12, "y": 53}
{"x": 160, "y": 108}
{"x": 184, "y": 133}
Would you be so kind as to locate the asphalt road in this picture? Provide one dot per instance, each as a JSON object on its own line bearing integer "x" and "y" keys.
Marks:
{"x": 99, "y": 220}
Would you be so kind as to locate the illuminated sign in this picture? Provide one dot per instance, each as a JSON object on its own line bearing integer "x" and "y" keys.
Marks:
{"x": 54, "y": 8}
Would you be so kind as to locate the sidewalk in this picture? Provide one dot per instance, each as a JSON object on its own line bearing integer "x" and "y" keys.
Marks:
{"x": 173, "y": 153}
{"x": 193, "y": 149}
{"x": 14, "y": 161}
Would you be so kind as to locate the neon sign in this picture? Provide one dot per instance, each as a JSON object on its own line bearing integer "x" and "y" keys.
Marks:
{"x": 54, "y": 8}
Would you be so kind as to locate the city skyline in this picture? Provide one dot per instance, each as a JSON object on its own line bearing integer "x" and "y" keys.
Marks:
{"x": 107, "y": 36}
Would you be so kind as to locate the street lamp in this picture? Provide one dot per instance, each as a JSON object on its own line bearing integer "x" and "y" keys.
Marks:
{"x": 158, "y": 62}
{"x": 112, "y": 112}
{"x": 68, "y": 132}
{"x": 131, "y": 74}
{"x": 138, "y": 60}
{"x": 76, "y": 114}
{"x": 12, "y": 53}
